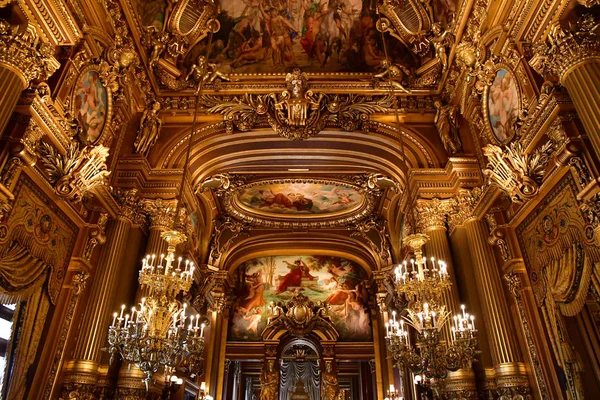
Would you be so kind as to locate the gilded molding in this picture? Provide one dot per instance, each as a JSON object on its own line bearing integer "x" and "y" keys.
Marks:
{"x": 54, "y": 19}
{"x": 566, "y": 47}
{"x": 514, "y": 284}
{"x": 217, "y": 246}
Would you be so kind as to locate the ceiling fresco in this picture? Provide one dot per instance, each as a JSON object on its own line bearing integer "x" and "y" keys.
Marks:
{"x": 301, "y": 199}
{"x": 333, "y": 280}
{"x": 260, "y": 36}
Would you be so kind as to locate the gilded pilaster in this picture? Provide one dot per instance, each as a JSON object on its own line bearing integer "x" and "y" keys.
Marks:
{"x": 509, "y": 371}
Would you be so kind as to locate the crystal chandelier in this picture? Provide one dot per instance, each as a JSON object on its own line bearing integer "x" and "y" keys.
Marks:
{"x": 158, "y": 334}
{"x": 423, "y": 282}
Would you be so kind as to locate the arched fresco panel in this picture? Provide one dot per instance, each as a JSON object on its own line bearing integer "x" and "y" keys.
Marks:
{"x": 336, "y": 281}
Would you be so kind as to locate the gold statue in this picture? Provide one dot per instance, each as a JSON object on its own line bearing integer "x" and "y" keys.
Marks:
{"x": 330, "y": 386}
{"x": 447, "y": 127}
{"x": 395, "y": 73}
{"x": 150, "y": 126}
{"x": 205, "y": 72}
{"x": 269, "y": 381}
{"x": 159, "y": 44}
{"x": 440, "y": 41}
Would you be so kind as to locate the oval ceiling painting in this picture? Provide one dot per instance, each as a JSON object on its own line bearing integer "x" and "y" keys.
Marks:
{"x": 503, "y": 105}
{"x": 293, "y": 198}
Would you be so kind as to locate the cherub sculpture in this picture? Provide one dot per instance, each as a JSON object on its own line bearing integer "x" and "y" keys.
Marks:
{"x": 439, "y": 41}
{"x": 159, "y": 44}
{"x": 395, "y": 73}
{"x": 204, "y": 72}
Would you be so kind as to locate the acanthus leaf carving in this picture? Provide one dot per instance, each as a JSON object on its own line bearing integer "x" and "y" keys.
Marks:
{"x": 566, "y": 46}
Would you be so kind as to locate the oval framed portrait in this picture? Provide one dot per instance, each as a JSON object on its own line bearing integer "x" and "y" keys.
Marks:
{"x": 502, "y": 102}
{"x": 91, "y": 105}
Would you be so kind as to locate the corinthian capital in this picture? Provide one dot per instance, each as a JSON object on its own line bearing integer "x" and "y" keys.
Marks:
{"x": 25, "y": 54}
{"x": 566, "y": 47}
{"x": 463, "y": 206}
{"x": 161, "y": 213}
{"x": 431, "y": 214}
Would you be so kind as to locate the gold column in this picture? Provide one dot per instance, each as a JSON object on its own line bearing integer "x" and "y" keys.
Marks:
{"x": 24, "y": 58}
{"x": 431, "y": 220}
{"x": 583, "y": 84}
{"x": 573, "y": 55}
{"x": 509, "y": 371}
{"x": 92, "y": 336}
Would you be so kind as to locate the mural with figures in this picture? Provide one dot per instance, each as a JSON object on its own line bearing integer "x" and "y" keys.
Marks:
{"x": 301, "y": 198}
{"x": 503, "y": 105}
{"x": 90, "y": 105}
{"x": 334, "y": 280}
{"x": 266, "y": 36}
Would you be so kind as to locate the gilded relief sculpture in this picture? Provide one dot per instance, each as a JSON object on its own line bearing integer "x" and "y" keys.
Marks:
{"x": 395, "y": 73}
{"x": 330, "y": 387}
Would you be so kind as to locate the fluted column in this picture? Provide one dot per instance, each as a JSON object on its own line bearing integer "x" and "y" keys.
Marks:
{"x": 23, "y": 58}
{"x": 431, "y": 220}
{"x": 573, "y": 55}
{"x": 509, "y": 370}
{"x": 83, "y": 369}
{"x": 92, "y": 334}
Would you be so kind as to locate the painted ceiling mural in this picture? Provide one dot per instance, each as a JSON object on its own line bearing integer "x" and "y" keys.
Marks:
{"x": 271, "y": 36}
{"x": 296, "y": 198}
{"x": 334, "y": 280}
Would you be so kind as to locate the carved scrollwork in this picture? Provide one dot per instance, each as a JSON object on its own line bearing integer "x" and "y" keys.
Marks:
{"x": 363, "y": 228}
{"x": 515, "y": 171}
{"x": 299, "y": 316}
{"x": 217, "y": 246}
{"x": 297, "y": 113}
{"x": 77, "y": 172}
{"x": 96, "y": 236}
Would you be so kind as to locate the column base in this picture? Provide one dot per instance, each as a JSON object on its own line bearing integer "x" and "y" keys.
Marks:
{"x": 460, "y": 385}
{"x": 81, "y": 380}
{"x": 512, "y": 380}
